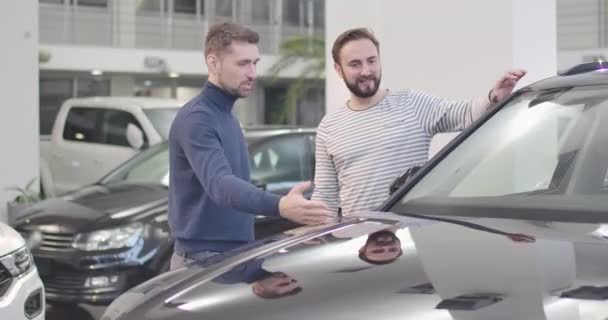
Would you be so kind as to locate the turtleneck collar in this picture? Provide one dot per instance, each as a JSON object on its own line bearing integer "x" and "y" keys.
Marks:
{"x": 219, "y": 96}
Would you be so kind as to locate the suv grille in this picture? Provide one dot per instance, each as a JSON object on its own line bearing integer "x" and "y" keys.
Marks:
{"x": 51, "y": 241}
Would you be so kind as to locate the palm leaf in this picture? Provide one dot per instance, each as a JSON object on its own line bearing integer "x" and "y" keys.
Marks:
{"x": 310, "y": 51}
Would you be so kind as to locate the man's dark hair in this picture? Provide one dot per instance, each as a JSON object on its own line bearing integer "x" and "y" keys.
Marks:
{"x": 352, "y": 35}
{"x": 272, "y": 293}
{"x": 374, "y": 237}
{"x": 221, "y": 36}
{"x": 364, "y": 257}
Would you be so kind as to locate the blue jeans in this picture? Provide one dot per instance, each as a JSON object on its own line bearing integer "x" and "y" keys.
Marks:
{"x": 179, "y": 260}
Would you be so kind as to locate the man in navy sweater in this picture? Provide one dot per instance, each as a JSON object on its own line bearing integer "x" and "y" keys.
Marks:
{"x": 212, "y": 204}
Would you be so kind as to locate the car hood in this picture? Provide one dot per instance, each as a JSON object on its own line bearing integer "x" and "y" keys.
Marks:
{"x": 92, "y": 205}
{"x": 476, "y": 269}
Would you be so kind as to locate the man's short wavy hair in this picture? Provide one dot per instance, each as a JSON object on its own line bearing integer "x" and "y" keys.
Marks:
{"x": 220, "y": 37}
{"x": 352, "y": 35}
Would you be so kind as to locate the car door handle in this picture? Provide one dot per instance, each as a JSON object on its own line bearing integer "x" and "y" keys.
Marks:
{"x": 97, "y": 162}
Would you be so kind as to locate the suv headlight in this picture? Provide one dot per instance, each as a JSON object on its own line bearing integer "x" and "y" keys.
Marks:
{"x": 18, "y": 262}
{"x": 121, "y": 237}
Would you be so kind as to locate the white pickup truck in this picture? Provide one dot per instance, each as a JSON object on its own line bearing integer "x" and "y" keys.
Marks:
{"x": 92, "y": 136}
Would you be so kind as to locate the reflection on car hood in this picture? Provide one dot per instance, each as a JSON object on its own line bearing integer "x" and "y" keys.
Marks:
{"x": 94, "y": 203}
{"x": 479, "y": 269}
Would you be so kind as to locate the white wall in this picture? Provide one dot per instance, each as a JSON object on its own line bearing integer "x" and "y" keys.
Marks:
{"x": 119, "y": 60}
{"x": 534, "y": 39}
{"x": 19, "y": 92}
{"x": 125, "y": 61}
{"x": 456, "y": 49}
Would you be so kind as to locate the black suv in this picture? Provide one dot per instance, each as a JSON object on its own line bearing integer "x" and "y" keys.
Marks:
{"x": 95, "y": 243}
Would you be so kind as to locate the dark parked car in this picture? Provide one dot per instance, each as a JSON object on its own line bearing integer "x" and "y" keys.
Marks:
{"x": 93, "y": 244}
{"x": 507, "y": 222}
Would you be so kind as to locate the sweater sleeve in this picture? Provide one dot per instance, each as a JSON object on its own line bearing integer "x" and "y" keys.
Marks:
{"x": 203, "y": 150}
{"x": 440, "y": 115}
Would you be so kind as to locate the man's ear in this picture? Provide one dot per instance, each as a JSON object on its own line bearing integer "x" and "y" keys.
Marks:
{"x": 213, "y": 62}
{"x": 338, "y": 69}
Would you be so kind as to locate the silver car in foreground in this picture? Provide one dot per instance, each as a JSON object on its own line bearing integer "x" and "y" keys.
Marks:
{"x": 509, "y": 221}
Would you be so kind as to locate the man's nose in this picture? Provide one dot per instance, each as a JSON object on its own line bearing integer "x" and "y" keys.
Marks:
{"x": 366, "y": 70}
{"x": 251, "y": 72}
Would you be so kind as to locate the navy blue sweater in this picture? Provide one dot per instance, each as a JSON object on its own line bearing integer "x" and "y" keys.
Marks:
{"x": 211, "y": 201}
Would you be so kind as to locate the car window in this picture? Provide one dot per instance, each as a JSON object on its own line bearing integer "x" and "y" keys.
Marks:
{"x": 99, "y": 125}
{"x": 161, "y": 119}
{"x": 83, "y": 125}
{"x": 114, "y": 127}
{"x": 281, "y": 160}
{"x": 551, "y": 142}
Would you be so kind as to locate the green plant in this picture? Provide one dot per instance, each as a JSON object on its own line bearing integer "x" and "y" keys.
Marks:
{"x": 309, "y": 50}
{"x": 27, "y": 194}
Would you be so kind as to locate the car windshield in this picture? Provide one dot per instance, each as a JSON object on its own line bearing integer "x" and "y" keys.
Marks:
{"x": 550, "y": 143}
{"x": 150, "y": 166}
{"x": 161, "y": 119}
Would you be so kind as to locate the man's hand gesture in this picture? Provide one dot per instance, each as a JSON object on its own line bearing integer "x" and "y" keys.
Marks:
{"x": 298, "y": 209}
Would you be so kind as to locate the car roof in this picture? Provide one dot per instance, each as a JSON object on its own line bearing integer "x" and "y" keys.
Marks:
{"x": 276, "y": 129}
{"x": 254, "y": 134}
{"x": 587, "y": 74}
{"x": 142, "y": 102}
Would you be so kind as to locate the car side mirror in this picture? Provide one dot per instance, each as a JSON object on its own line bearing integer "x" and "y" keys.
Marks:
{"x": 403, "y": 178}
{"x": 135, "y": 137}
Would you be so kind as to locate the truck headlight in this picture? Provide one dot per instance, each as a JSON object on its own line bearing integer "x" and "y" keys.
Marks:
{"x": 18, "y": 262}
{"x": 116, "y": 238}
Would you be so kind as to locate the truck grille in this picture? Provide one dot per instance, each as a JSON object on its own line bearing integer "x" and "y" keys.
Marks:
{"x": 51, "y": 241}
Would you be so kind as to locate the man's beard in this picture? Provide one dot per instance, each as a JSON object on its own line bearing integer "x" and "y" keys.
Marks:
{"x": 237, "y": 91}
{"x": 354, "y": 88}
{"x": 376, "y": 236}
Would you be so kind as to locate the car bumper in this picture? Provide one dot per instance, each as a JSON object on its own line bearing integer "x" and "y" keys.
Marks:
{"x": 24, "y": 299}
{"x": 98, "y": 287}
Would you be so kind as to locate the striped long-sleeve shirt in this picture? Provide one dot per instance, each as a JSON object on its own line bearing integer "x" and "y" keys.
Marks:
{"x": 359, "y": 153}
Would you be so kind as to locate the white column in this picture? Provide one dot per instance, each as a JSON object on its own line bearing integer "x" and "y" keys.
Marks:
{"x": 456, "y": 49}
{"x": 534, "y": 38}
{"x": 124, "y": 18}
{"x": 19, "y": 91}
